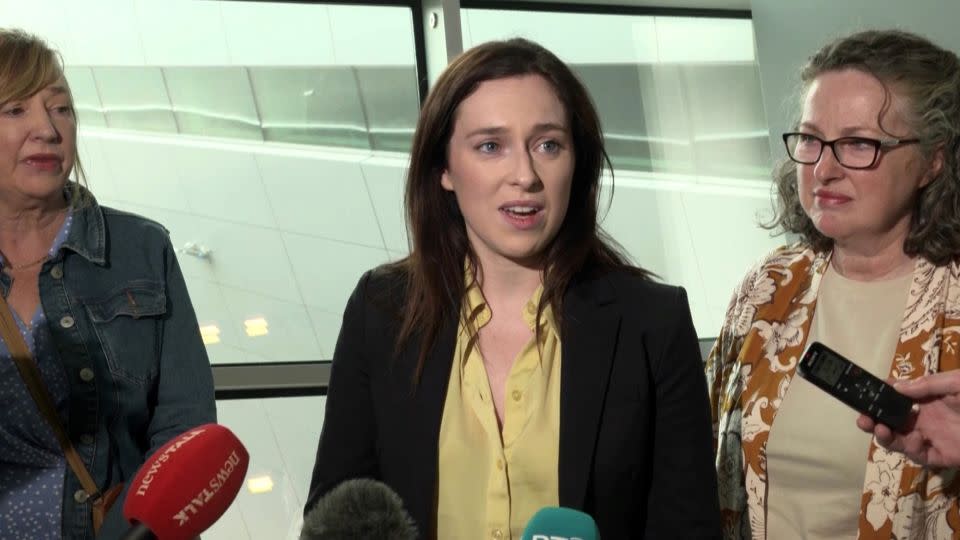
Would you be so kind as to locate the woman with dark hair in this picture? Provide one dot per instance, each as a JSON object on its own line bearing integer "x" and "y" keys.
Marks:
{"x": 872, "y": 188}
{"x": 515, "y": 360}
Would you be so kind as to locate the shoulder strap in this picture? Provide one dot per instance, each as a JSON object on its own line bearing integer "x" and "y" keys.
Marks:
{"x": 20, "y": 353}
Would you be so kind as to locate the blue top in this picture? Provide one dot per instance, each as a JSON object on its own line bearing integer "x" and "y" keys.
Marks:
{"x": 31, "y": 462}
{"x": 121, "y": 321}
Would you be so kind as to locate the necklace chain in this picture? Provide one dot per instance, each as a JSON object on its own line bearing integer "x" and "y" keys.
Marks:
{"x": 27, "y": 264}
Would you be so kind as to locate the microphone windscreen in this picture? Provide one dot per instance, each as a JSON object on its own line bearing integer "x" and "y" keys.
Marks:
{"x": 555, "y": 522}
{"x": 186, "y": 485}
{"x": 359, "y": 509}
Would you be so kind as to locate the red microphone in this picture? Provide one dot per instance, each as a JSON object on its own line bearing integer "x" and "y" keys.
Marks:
{"x": 186, "y": 485}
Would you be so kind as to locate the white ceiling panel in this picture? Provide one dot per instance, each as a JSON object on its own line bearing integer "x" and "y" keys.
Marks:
{"x": 385, "y": 180}
{"x": 222, "y": 184}
{"x": 212, "y": 313}
{"x": 320, "y": 197}
{"x": 143, "y": 174}
{"x": 296, "y": 425}
{"x": 248, "y": 258}
{"x": 328, "y": 271}
{"x": 270, "y": 330}
{"x": 326, "y": 326}
{"x": 275, "y": 514}
{"x": 99, "y": 177}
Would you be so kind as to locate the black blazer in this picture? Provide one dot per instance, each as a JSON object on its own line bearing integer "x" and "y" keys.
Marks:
{"x": 635, "y": 436}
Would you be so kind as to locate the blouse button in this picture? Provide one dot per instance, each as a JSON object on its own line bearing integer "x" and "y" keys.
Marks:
{"x": 67, "y": 321}
{"x": 81, "y": 496}
{"x": 86, "y": 374}
{"x": 56, "y": 272}
{"x": 86, "y": 439}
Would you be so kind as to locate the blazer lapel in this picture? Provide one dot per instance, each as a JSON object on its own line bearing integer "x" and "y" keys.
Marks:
{"x": 424, "y": 412}
{"x": 591, "y": 323}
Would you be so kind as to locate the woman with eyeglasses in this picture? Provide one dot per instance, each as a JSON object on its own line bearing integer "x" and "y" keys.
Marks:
{"x": 872, "y": 190}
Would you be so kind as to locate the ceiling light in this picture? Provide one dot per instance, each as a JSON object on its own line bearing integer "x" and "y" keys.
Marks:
{"x": 260, "y": 484}
{"x": 210, "y": 334}
{"x": 256, "y": 327}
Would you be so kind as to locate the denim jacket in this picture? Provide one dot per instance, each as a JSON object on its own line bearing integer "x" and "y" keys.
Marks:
{"x": 118, "y": 309}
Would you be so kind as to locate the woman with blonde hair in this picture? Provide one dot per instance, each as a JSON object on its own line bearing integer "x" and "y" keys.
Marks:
{"x": 95, "y": 313}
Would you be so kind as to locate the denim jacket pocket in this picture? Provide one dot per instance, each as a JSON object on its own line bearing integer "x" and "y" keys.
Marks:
{"x": 128, "y": 322}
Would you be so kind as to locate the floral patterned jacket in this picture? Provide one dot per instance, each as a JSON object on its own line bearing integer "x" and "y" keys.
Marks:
{"x": 751, "y": 366}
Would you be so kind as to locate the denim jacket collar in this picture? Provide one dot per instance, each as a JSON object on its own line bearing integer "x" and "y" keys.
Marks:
{"x": 87, "y": 236}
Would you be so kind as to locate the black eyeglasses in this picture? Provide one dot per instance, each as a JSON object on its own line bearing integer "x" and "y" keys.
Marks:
{"x": 851, "y": 152}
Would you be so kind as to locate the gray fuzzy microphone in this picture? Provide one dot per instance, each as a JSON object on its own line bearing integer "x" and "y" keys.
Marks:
{"x": 360, "y": 509}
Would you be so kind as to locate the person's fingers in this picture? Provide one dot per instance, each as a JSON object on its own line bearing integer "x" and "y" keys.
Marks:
{"x": 865, "y": 423}
{"x": 913, "y": 446}
{"x": 935, "y": 458}
{"x": 884, "y": 436}
{"x": 933, "y": 385}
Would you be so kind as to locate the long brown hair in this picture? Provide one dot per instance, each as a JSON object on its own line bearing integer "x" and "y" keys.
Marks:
{"x": 436, "y": 228}
{"x": 929, "y": 77}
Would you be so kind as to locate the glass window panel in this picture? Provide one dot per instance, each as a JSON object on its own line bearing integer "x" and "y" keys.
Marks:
{"x": 730, "y": 129}
{"x": 215, "y": 101}
{"x": 86, "y": 99}
{"x": 135, "y": 97}
{"x": 391, "y": 101}
{"x": 310, "y": 105}
{"x": 281, "y": 436}
{"x": 661, "y": 104}
{"x": 613, "y": 86}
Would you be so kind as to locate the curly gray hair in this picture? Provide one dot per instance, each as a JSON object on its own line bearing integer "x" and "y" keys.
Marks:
{"x": 928, "y": 77}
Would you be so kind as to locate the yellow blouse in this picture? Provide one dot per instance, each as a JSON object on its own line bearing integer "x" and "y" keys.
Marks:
{"x": 491, "y": 483}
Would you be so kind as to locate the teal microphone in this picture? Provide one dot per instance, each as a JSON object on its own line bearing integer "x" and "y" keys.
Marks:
{"x": 554, "y": 523}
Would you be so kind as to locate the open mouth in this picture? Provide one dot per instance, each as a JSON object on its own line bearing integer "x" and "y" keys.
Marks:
{"x": 520, "y": 211}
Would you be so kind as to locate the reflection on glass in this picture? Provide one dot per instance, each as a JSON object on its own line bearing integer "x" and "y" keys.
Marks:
{"x": 685, "y": 100}
{"x": 86, "y": 99}
{"x": 210, "y": 334}
{"x": 389, "y": 95}
{"x": 730, "y": 131}
{"x": 135, "y": 98}
{"x": 316, "y": 105}
{"x": 256, "y": 327}
{"x": 214, "y": 101}
{"x": 615, "y": 89}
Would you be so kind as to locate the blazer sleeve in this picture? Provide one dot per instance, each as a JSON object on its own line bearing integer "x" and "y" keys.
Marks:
{"x": 683, "y": 491}
{"x": 347, "y": 447}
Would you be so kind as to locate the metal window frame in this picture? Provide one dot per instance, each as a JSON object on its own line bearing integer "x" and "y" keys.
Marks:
{"x": 606, "y": 9}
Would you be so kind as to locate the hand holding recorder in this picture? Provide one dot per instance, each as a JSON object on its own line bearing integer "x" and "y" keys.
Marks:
{"x": 933, "y": 438}
{"x": 851, "y": 384}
